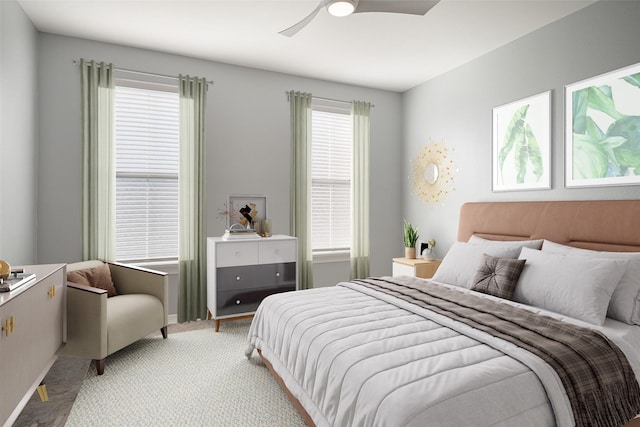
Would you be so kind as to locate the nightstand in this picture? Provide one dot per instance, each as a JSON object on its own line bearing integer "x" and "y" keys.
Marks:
{"x": 422, "y": 268}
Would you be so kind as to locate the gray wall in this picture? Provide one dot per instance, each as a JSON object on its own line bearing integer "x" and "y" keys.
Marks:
{"x": 457, "y": 108}
{"x": 248, "y": 145}
{"x": 248, "y": 129}
{"x": 18, "y": 135}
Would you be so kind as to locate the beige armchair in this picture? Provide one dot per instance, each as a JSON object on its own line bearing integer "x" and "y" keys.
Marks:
{"x": 98, "y": 326}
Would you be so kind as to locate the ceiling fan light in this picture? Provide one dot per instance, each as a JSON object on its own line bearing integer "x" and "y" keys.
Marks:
{"x": 341, "y": 7}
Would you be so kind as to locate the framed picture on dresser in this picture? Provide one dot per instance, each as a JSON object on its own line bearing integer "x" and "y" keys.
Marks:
{"x": 246, "y": 209}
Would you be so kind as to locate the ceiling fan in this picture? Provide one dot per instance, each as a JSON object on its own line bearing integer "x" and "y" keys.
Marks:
{"x": 347, "y": 7}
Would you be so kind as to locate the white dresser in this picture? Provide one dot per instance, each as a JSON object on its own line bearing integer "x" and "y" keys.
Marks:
{"x": 33, "y": 320}
{"x": 241, "y": 273}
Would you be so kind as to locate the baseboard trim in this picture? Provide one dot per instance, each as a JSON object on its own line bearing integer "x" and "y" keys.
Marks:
{"x": 173, "y": 319}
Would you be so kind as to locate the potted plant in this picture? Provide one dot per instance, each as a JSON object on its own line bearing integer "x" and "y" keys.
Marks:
{"x": 410, "y": 240}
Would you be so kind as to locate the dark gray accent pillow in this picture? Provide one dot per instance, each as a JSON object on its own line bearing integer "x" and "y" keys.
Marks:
{"x": 497, "y": 276}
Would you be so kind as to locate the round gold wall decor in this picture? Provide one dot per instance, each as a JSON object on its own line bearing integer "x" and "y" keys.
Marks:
{"x": 432, "y": 173}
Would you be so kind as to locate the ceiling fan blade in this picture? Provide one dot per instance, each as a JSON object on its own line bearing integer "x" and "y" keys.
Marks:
{"x": 395, "y": 6}
{"x": 292, "y": 30}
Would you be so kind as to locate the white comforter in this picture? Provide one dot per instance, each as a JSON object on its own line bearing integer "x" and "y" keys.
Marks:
{"x": 355, "y": 357}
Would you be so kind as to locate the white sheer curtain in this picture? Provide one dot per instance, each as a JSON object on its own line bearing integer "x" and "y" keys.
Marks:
{"x": 98, "y": 188}
{"x": 360, "y": 191}
{"x": 192, "y": 297}
{"x": 300, "y": 212}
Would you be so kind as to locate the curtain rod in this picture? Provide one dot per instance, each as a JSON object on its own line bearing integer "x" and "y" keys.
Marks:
{"x": 288, "y": 93}
{"x": 145, "y": 73}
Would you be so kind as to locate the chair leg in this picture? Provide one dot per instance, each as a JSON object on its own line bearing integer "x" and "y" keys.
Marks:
{"x": 164, "y": 331}
{"x": 100, "y": 364}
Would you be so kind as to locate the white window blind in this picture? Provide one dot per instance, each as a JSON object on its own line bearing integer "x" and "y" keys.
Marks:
{"x": 331, "y": 153}
{"x": 147, "y": 162}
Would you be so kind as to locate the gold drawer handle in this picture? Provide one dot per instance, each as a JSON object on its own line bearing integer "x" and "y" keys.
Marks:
{"x": 52, "y": 291}
{"x": 8, "y": 326}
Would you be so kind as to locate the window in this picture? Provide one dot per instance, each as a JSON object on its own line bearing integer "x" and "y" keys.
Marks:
{"x": 147, "y": 165}
{"x": 331, "y": 153}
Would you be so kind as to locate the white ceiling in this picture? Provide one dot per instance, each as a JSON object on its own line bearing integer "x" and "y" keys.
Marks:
{"x": 380, "y": 50}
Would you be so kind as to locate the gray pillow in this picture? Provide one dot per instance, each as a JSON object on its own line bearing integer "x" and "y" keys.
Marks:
{"x": 533, "y": 244}
{"x": 575, "y": 286}
{"x": 625, "y": 301}
{"x": 461, "y": 261}
{"x": 497, "y": 276}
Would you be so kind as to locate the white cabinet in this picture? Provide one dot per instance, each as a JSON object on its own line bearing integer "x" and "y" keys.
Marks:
{"x": 33, "y": 320}
{"x": 241, "y": 273}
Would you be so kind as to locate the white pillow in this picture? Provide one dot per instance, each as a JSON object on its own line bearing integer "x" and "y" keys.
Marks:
{"x": 533, "y": 244}
{"x": 575, "y": 286}
{"x": 461, "y": 262}
{"x": 625, "y": 301}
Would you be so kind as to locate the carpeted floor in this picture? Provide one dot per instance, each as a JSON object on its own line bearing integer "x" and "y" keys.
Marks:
{"x": 213, "y": 384}
{"x": 195, "y": 377}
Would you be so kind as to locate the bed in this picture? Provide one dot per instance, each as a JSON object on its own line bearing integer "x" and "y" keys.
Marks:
{"x": 494, "y": 339}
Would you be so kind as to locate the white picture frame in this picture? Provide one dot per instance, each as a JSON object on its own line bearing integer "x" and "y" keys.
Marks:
{"x": 237, "y": 205}
{"x": 601, "y": 147}
{"x": 522, "y": 126}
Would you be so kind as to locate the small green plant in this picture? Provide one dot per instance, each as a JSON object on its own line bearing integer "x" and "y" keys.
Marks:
{"x": 410, "y": 235}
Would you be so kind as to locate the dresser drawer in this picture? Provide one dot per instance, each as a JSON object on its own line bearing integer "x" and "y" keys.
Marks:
{"x": 275, "y": 251}
{"x": 283, "y": 274}
{"x": 244, "y": 301}
{"x": 255, "y": 276}
{"x": 240, "y": 277}
{"x": 236, "y": 253}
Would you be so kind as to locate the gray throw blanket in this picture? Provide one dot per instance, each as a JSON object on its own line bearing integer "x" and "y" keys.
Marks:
{"x": 596, "y": 375}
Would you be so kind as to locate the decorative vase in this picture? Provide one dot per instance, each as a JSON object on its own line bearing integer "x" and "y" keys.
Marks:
{"x": 428, "y": 254}
{"x": 410, "y": 253}
{"x": 265, "y": 228}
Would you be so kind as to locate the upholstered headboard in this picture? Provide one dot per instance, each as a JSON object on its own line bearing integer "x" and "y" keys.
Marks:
{"x": 610, "y": 225}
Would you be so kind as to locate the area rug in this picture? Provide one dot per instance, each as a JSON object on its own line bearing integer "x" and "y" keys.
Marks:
{"x": 197, "y": 378}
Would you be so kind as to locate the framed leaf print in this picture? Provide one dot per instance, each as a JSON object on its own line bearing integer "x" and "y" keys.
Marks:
{"x": 522, "y": 144}
{"x": 602, "y": 128}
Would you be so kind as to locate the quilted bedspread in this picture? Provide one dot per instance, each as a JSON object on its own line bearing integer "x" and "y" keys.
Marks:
{"x": 354, "y": 356}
